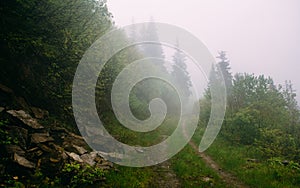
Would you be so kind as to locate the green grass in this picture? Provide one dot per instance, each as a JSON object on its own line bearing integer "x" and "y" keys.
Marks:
{"x": 233, "y": 158}
{"x": 131, "y": 177}
{"x": 192, "y": 171}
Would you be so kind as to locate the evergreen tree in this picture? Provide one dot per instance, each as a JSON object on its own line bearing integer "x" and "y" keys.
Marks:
{"x": 224, "y": 68}
{"x": 180, "y": 73}
{"x": 150, "y": 34}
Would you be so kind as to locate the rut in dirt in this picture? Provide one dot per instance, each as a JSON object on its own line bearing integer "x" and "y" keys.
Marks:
{"x": 228, "y": 178}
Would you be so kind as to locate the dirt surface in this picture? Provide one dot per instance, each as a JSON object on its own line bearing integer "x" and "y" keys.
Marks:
{"x": 228, "y": 178}
{"x": 166, "y": 176}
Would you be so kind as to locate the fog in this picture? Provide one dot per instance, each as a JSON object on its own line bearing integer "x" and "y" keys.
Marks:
{"x": 261, "y": 37}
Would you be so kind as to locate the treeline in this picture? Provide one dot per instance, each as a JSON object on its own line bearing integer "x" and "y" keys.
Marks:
{"x": 258, "y": 112}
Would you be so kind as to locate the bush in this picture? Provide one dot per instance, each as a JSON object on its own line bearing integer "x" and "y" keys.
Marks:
{"x": 276, "y": 143}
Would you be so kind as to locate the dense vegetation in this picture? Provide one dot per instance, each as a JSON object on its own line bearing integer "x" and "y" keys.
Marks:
{"x": 258, "y": 112}
{"x": 41, "y": 44}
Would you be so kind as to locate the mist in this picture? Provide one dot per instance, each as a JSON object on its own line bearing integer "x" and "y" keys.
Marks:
{"x": 260, "y": 37}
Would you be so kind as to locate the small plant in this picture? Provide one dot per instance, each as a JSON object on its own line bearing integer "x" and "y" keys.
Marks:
{"x": 77, "y": 175}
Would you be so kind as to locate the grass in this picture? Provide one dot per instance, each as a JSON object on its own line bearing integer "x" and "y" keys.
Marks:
{"x": 264, "y": 173}
{"x": 187, "y": 165}
{"x": 131, "y": 177}
{"x": 192, "y": 171}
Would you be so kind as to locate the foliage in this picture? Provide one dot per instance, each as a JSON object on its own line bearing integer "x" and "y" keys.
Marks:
{"x": 224, "y": 68}
{"x": 275, "y": 172}
{"x": 243, "y": 127}
{"x": 276, "y": 143}
{"x": 41, "y": 43}
{"x": 77, "y": 175}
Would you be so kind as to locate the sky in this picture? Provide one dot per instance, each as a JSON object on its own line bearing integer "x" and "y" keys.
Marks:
{"x": 259, "y": 36}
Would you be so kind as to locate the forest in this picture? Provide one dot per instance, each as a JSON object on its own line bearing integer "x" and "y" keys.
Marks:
{"x": 42, "y": 43}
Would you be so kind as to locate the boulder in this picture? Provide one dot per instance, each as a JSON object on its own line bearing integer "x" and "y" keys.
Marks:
{"x": 25, "y": 118}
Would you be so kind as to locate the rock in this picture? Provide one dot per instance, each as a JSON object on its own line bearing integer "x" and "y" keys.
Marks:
{"x": 138, "y": 149}
{"x": 89, "y": 158}
{"x": 32, "y": 149}
{"x": 54, "y": 160}
{"x": 1, "y": 109}
{"x": 39, "y": 113}
{"x": 22, "y": 161}
{"x": 207, "y": 179}
{"x": 80, "y": 150}
{"x": 285, "y": 162}
{"x": 46, "y": 148}
{"x": 12, "y": 149}
{"x": 105, "y": 165}
{"x": 41, "y": 138}
{"x": 25, "y": 118}
{"x": 75, "y": 157}
{"x": 110, "y": 155}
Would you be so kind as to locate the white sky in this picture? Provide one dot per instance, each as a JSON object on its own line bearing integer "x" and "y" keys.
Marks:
{"x": 260, "y": 36}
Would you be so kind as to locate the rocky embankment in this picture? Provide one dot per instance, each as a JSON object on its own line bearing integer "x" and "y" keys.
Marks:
{"x": 28, "y": 145}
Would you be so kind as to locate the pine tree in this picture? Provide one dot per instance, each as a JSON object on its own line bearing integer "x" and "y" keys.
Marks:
{"x": 180, "y": 73}
{"x": 150, "y": 34}
{"x": 224, "y": 68}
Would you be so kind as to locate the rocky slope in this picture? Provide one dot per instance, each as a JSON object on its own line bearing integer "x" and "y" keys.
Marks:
{"x": 30, "y": 144}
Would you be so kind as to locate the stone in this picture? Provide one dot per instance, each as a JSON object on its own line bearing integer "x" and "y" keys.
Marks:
{"x": 25, "y": 118}
{"x": 32, "y": 149}
{"x": 54, "y": 160}
{"x": 39, "y": 113}
{"x": 45, "y": 148}
{"x": 41, "y": 138}
{"x": 285, "y": 162}
{"x": 12, "y": 149}
{"x": 80, "y": 150}
{"x": 74, "y": 156}
{"x": 22, "y": 161}
{"x": 110, "y": 155}
{"x": 89, "y": 158}
{"x": 105, "y": 165}
{"x": 138, "y": 149}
